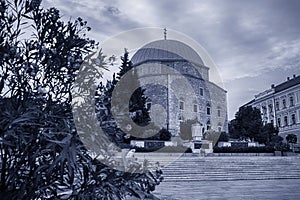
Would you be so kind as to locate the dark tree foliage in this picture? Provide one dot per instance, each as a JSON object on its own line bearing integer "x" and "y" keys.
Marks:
{"x": 126, "y": 65}
{"x": 276, "y": 142}
{"x": 267, "y": 132}
{"x": 248, "y": 122}
{"x": 233, "y": 131}
{"x": 164, "y": 135}
{"x": 41, "y": 155}
{"x": 291, "y": 138}
{"x": 137, "y": 107}
{"x": 137, "y": 104}
{"x": 224, "y": 137}
{"x": 138, "y": 112}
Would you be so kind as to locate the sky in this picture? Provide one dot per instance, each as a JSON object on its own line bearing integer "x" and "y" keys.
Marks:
{"x": 253, "y": 43}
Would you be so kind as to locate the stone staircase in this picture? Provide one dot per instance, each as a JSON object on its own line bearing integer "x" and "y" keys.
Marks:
{"x": 195, "y": 177}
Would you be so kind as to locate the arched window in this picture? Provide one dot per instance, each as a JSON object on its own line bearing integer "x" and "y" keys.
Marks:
{"x": 291, "y": 101}
{"x": 219, "y": 111}
{"x": 279, "y": 122}
{"x": 285, "y": 119}
{"x": 208, "y": 126}
{"x": 277, "y": 105}
{"x": 195, "y": 108}
{"x": 181, "y": 109}
{"x": 201, "y": 92}
{"x": 293, "y": 119}
{"x": 283, "y": 103}
{"x": 181, "y": 105}
{"x": 208, "y": 110}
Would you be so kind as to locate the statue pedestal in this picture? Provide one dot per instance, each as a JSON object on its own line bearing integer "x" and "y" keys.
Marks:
{"x": 203, "y": 146}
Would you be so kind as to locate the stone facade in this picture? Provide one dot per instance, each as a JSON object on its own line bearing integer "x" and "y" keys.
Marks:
{"x": 280, "y": 105}
{"x": 177, "y": 84}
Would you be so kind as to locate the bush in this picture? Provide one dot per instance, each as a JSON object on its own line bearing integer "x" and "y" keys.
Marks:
{"x": 42, "y": 156}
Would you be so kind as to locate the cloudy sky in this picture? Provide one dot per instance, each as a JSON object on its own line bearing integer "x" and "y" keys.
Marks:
{"x": 253, "y": 43}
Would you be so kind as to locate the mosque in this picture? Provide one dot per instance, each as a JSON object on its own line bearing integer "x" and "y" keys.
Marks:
{"x": 177, "y": 83}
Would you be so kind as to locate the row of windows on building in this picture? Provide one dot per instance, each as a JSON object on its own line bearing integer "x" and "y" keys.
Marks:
{"x": 195, "y": 109}
{"x": 285, "y": 121}
{"x": 277, "y": 105}
{"x": 284, "y": 103}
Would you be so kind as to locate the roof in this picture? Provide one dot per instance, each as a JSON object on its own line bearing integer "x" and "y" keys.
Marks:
{"x": 290, "y": 83}
{"x": 281, "y": 87}
{"x": 166, "y": 50}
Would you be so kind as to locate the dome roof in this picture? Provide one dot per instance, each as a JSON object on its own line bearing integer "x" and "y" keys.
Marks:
{"x": 166, "y": 50}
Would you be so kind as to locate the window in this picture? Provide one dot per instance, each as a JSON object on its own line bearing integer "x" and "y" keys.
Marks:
{"x": 285, "y": 120}
{"x": 270, "y": 108}
{"x": 283, "y": 103}
{"x": 219, "y": 112}
{"x": 181, "y": 116}
{"x": 264, "y": 109}
{"x": 293, "y": 119}
{"x": 195, "y": 108}
{"x": 277, "y": 105}
{"x": 208, "y": 125}
{"x": 279, "y": 122}
{"x": 291, "y": 101}
{"x": 201, "y": 92}
{"x": 208, "y": 110}
{"x": 181, "y": 108}
{"x": 181, "y": 105}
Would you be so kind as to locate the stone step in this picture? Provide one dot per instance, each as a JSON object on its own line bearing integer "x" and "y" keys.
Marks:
{"x": 180, "y": 179}
{"x": 230, "y": 178}
{"x": 230, "y": 175}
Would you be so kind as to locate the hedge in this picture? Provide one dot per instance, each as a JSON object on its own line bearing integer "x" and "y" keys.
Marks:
{"x": 265, "y": 149}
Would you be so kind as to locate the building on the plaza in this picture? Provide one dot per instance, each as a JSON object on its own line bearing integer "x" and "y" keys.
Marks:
{"x": 280, "y": 105}
{"x": 178, "y": 86}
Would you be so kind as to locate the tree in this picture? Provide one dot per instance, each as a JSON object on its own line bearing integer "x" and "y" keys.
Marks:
{"x": 267, "y": 132}
{"x": 125, "y": 66}
{"x": 137, "y": 104}
{"x": 129, "y": 89}
{"x": 164, "y": 135}
{"x": 232, "y": 129}
{"x": 291, "y": 139}
{"x": 41, "y": 154}
{"x": 276, "y": 142}
{"x": 247, "y": 123}
{"x": 224, "y": 137}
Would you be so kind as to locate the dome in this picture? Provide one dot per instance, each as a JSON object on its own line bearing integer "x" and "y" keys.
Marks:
{"x": 166, "y": 50}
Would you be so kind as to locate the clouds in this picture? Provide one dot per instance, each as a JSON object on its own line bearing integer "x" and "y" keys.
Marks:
{"x": 254, "y": 43}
